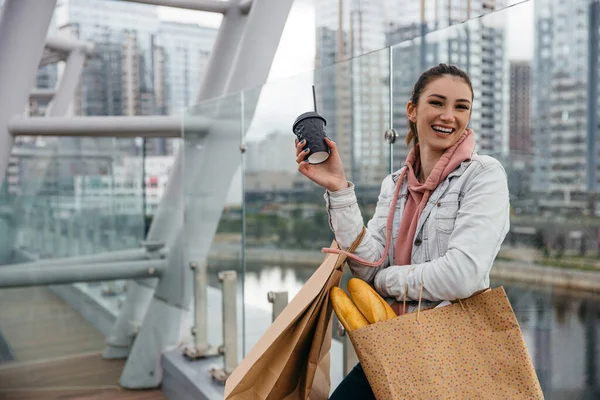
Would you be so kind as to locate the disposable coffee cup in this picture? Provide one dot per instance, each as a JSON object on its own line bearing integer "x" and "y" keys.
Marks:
{"x": 311, "y": 126}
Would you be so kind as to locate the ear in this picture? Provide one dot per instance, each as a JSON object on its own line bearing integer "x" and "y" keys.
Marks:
{"x": 411, "y": 112}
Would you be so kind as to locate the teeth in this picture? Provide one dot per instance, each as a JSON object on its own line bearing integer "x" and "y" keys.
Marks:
{"x": 443, "y": 130}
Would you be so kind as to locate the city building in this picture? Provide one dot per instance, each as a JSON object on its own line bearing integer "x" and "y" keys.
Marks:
{"x": 142, "y": 65}
{"x": 476, "y": 47}
{"x": 565, "y": 109}
{"x": 186, "y": 48}
{"x": 354, "y": 92}
{"x": 520, "y": 108}
{"x": 271, "y": 153}
{"x": 122, "y": 192}
{"x": 519, "y": 161}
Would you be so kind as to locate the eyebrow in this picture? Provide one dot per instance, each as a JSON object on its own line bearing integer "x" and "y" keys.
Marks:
{"x": 444, "y": 98}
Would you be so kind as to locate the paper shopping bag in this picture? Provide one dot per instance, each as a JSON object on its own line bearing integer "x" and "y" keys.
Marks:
{"x": 291, "y": 360}
{"x": 468, "y": 350}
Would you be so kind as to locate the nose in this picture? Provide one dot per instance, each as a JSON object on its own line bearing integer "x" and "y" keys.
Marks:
{"x": 447, "y": 116}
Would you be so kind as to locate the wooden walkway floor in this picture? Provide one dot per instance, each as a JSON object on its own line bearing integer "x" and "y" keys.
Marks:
{"x": 58, "y": 355}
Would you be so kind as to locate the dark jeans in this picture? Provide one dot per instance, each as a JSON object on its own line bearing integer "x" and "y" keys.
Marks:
{"x": 354, "y": 386}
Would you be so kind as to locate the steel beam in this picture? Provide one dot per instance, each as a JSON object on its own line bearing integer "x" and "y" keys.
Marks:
{"x": 165, "y": 225}
{"x": 258, "y": 44}
{"x": 35, "y": 275}
{"x": 61, "y": 44}
{"x": 245, "y": 6}
{"x": 103, "y": 126}
{"x": 211, "y": 162}
{"x": 168, "y": 220}
{"x": 41, "y": 94}
{"x": 222, "y": 57}
{"x": 263, "y": 26}
{"x": 214, "y": 6}
{"x": 77, "y": 53}
{"x": 110, "y": 257}
{"x": 68, "y": 84}
{"x": 23, "y": 28}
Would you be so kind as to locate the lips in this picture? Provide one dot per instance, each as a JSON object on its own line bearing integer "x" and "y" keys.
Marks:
{"x": 443, "y": 130}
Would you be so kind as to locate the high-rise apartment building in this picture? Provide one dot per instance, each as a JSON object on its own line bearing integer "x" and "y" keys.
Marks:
{"x": 520, "y": 108}
{"x": 186, "y": 48}
{"x": 476, "y": 47}
{"x": 518, "y": 163}
{"x": 354, "y": 92}
{"x": 135, "y": 70}
{"x": 565, "y": 92}
{"x": 142, "y": 65}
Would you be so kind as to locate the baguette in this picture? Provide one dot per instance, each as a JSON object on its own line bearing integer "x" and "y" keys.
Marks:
{"x": 369, "y": 302}
{"x": 346, "y": 311}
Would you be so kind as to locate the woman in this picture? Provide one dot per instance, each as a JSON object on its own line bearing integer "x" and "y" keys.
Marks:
{"x": 451, "y": 208}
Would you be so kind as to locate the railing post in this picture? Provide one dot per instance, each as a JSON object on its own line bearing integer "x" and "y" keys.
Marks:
{"x": 49, "y": 236}
{"x": 350, "y": 359}
{"x": 229, "y": 348}
{"x": 72, "y": 240}
{"x": 279, "y": 301}
{"x": 201, "y": 348}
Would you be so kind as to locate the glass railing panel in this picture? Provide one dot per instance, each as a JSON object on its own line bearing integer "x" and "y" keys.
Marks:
{"x": 286, "y": 220}
{"x": 346, "y": 29}
{"x": 76, "y": 196}
{"x": 212, "y": 201}
{"x": 65, "y": 197}
{"x": 534, "y": 110}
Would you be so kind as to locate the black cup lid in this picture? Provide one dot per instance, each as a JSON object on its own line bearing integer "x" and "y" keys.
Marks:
{"x": 310, "y": 114}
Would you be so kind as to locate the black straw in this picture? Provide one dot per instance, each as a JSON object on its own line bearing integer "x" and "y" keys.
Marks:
{"x": 314, "y": 98}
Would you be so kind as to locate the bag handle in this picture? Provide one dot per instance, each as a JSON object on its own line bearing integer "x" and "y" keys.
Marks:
{"x": 352, "y": 247}
{"x": 388, "y": 230}
{"x": 421, "y": 296}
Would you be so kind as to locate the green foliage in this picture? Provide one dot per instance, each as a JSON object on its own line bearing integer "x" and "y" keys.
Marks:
{"x": 281, "y": 231}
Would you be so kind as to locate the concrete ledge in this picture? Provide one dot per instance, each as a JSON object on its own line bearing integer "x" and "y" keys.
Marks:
{"x": 190, "y": 380}
{"x": 543, "y": 275}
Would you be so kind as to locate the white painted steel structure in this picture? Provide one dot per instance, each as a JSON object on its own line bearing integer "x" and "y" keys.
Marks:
{"x": 245, "y": 47}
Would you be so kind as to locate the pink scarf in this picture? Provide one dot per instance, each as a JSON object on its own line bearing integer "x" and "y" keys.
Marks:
{"x": 417, "y": 199}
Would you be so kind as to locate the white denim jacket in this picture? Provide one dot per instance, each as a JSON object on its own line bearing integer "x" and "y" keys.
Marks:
{"x": 457, "y": 239}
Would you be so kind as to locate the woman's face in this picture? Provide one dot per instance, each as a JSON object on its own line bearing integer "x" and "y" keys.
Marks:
{"x": 442, "y": 112}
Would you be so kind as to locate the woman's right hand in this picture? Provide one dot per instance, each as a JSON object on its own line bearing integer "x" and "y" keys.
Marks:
{"x": 329, "y": 174}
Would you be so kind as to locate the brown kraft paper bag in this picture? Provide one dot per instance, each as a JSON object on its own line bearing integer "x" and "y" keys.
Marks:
{"x": 468, "y": 350}
{"x": 291, "y": 360}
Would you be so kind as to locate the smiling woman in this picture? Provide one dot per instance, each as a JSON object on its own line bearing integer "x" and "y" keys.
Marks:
{"x": 439, "y": 108}
{"x": 440, "y": 219}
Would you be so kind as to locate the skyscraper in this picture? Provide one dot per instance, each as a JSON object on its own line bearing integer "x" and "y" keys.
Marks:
{"x": 476, "y": 47}
{"x": 142, "y": 65}
{"x": 355, "y": 96}
{"x": 565, "y": 91}
{"x": 520, "y": 108}
{"x": 354, "y": 93}
{"x": 187, "y": 48}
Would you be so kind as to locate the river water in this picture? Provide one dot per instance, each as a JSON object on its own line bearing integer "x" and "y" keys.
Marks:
{"x": 561, "y": 328}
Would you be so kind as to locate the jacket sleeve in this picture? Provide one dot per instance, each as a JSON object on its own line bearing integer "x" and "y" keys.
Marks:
{"x": 481, "y": 224}
{"x": 346, "y": 222}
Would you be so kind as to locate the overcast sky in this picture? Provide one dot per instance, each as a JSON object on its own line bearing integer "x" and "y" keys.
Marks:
{"x": 290, "y": 78}
{"x": 289, "y": 89}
